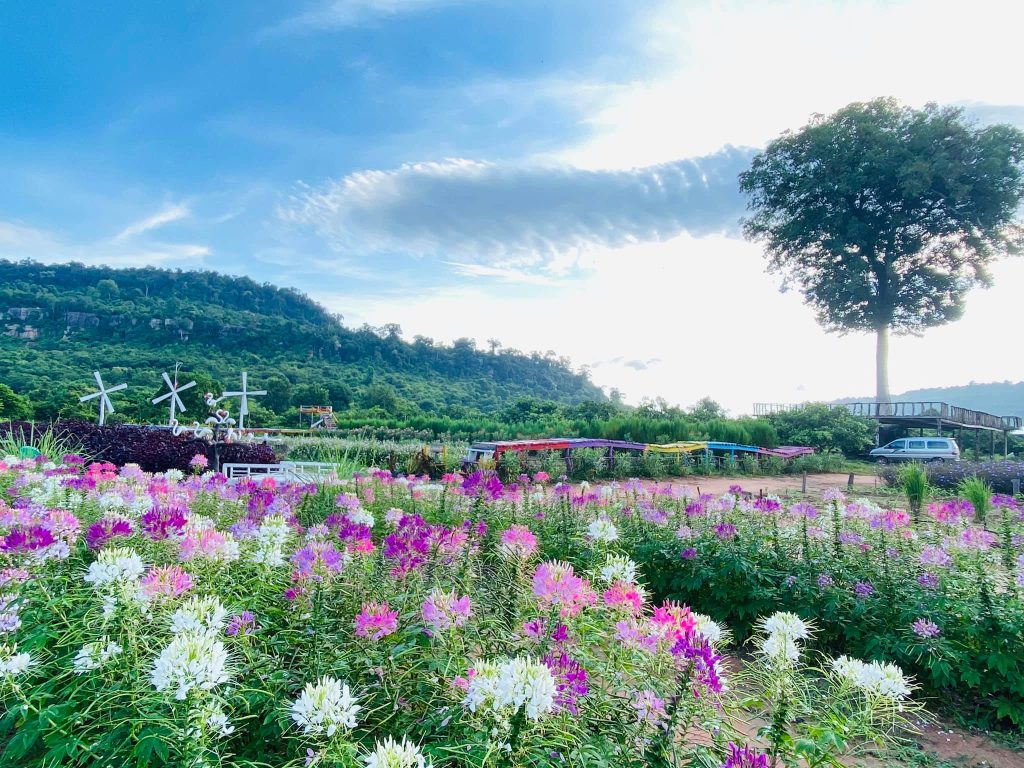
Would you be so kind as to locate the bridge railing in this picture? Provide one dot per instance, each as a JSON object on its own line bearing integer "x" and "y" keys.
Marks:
{"x": 924, "y": 409}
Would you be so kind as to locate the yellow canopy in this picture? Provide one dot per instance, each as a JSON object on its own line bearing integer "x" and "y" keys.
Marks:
{"x": 687, "y": 446}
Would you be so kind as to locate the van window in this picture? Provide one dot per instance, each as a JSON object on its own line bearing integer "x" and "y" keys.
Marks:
{"x": 938, "y": 445}
{"x": 897, "y": 445}
{"x": 917, "y": 445}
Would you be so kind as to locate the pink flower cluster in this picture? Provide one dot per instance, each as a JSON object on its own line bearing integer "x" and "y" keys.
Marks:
{"x": 444, "y": 610}
{"x": 556, "y": 584}
{"x": 376, "y": 620}
{"x": 518, "y": 541}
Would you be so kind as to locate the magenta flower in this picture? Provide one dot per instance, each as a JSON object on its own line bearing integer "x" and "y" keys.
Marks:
{"x": 926, "y": 629}
{"x": 556, "y": 584}
{"x": 377, "y": 620}
{"x": 104, "y": 530}
{"x": 725, "y": 531}
{"x": 621, "y": 595}
{"x": 745, "y": 757}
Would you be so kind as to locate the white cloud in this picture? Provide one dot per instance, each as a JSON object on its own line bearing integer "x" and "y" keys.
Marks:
{"x": 717, "y": 322}
{"x": 125, "y": 249}
{"x": 522, "y": 215}
{"x": 164, "y": 216}
{"x": 744, "y": 72}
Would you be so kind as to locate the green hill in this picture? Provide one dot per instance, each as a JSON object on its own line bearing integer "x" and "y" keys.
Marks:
{"x": 1003, "y": 398}
{"x": 59, "y": 323}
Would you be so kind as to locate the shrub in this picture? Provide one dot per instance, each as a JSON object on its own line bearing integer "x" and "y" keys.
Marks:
{"x": 914, "y": 481}
{"x": 979, "y": 493}
{"x": 948, "y": 476}
{"x": 825, "y": 428}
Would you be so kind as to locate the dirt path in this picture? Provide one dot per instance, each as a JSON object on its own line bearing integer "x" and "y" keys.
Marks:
{"x": 776, "y": 484}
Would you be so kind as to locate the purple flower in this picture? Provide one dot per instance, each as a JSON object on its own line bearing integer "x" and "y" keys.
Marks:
{"x": 570, "y": 681}
{"x": 745, "y": 757}
{"x": 926, "y": 629}
{"x": 242, "y": 624}
{"x": 693, "y": 647}
{"x": 725, "y": 531}
{"x": 928, "y": 580}
{"x": 688, "y": 554}
{"x": 803, "y": 509}
{"x": 935, "y": 556}
{"x": 101, "y": 532}
{"x": 863, "y": 589}
{"x": 825, "y": 580}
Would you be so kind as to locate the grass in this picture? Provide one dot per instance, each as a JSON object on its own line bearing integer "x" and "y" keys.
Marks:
{"x": 43, "y": 439}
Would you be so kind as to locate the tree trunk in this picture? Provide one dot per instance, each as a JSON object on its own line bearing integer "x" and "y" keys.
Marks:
{"x": 882, "y": 368}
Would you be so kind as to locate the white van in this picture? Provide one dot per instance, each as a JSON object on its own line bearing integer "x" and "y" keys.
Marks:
{"x": 937, "y": 449}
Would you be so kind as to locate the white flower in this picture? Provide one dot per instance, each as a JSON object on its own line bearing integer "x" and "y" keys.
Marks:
{"x": 360, "y": 516}
{"x": 392, "y": 754}
{"x": 619, "y": 568}
{"x": 325, "y": 705}
{"x": 602, "y": 529}
{"x": 779, "y": 647}
{"x": 13, "y": 663}
{"x": 521, "y": 682}
{"x": 174, "y": 475}
{"x": 711, "y": 630}
{"x": 200, "y": 615}
{"x": 219, "y": 722}
{"x": 788, "y": 624}
{"x": 117, "y": 565}
{"x": 873, "y": 678}
{"x": 271, "y": 537}
{"x": 191, "y": 660}
{"x": 94, "y": 655}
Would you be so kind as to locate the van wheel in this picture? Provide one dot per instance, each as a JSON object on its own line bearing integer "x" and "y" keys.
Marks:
{"x": 937, "y": 460}
{"x": 881, "y": 461}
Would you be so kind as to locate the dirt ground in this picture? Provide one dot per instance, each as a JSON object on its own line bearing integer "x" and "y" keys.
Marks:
{"x": 864, "y": 484}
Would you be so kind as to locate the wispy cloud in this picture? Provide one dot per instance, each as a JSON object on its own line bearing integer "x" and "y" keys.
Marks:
{"x": 338, "y": 14}
{"x": 504, "y": 274}
{"x": 517, "y": 216}
{"x": 126, "y": 249}
{"x": 164, "y": 216}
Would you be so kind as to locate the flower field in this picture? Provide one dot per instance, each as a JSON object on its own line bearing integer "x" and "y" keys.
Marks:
{"x": 395, "y": 622}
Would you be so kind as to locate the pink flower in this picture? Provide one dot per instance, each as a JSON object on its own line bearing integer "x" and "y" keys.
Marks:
{"x": 556, "y": 584}
{"x": 622, "y": 595}
{"x": 165, "y": 581}
{"x": 518, "y": 541}
{"x": 672, "y": 621}
{"x": 377, "y": 620}
{"x": 443, "y": 610}
{"x": 199, "y": 462}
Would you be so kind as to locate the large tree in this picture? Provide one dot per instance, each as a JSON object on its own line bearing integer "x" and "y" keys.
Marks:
{"x": 885, "y": 216}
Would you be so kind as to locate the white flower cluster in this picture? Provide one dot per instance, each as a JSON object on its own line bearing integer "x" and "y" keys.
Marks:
{"x": 783, "y": 631}
{"x": 201, "y": 615}
{"x": 13, "y": 663}
{"x": 873, "y": 677}
{"x": 174, "y": 475}
{"x": 192, "y": 660}
{"x": 393, "y": 754}
{"x": 360, "y": 516}
{"x": 504, "y": 688}
{"x": 619, "y": 568}
{"x": 218, "y": 722}
{"x": 325, "y": 706}
{"x": 602, "y": 530}
{"x": 271, "y": 537}
{"x": 115, "y": 566}
{"x": 712, "y": 631}
{"x": 95, "y": 654}
{"x": 10, "y": 621}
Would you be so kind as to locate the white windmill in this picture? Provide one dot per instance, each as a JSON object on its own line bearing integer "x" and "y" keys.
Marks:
{"x": 172, "y": 395}
{"x": 104, "y": 395}
{"x": 245, "y": 393}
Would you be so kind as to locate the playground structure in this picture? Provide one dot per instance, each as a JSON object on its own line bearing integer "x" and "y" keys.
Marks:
{"x": 320, "y": 416}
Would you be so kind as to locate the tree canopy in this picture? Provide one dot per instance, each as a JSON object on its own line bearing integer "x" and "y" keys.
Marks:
{"x": 885, "y": 216}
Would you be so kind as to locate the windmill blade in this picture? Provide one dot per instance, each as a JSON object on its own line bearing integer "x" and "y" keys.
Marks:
{"x": 177, "y": 400}
{"x": 160, "y": 399}
{"x": 118, "y": 388}
{"x": 83, "y": 398}
{"x": 183, "y": 387}
{"x": 99, "y": 381}
{"x": 109, "y": 406}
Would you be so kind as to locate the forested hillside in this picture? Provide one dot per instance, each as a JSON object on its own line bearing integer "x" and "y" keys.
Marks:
{"x": 59, "y": 323}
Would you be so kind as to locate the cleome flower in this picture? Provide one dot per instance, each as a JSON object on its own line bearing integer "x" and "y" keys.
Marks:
{"x": 94, "y": 655}
{"x": 602, "y": 530}
{"x": 271, "y": 537}
{"x": 118, "y": 565}
{"x": 872, "y": 677}
{"x": 783, "y": 631}
{"x": 502, "y": 688}
{"x": 393, "y": 754}
{"x": 619, "y": 568}
{"x": 203, "y": 615}
{"x": 325, "y": 706}
{"x": 193, "y": 660}
{"x": 13, "y": 663}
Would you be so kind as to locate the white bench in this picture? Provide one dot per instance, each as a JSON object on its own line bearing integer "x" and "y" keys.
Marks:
{"x": 296, "y": 471}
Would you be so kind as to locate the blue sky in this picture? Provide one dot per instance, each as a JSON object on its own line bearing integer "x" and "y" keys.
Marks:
{"x": 482, "y": 168}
